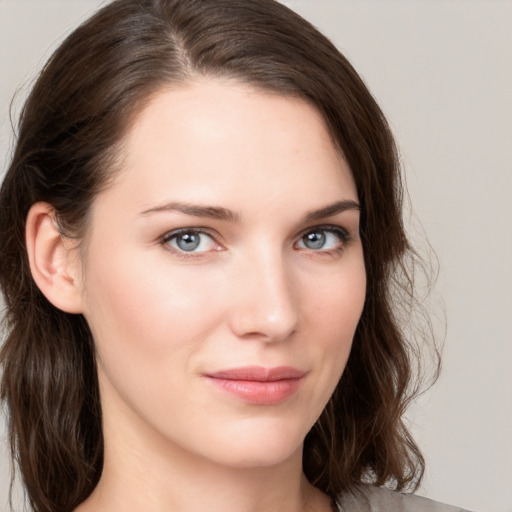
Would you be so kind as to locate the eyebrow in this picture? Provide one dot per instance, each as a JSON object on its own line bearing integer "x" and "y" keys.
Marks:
{"x": 220, "y": 213}
{"x": 332, "y": 209}
{"x": 212, "y": 212}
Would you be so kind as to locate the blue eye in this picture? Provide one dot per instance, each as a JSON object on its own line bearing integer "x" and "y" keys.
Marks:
{"x": 323, "y": 239}
{"x": 187, "y": 240}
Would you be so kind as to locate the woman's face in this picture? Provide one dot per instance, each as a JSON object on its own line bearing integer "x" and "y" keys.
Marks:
{"x": 223, "y": 278}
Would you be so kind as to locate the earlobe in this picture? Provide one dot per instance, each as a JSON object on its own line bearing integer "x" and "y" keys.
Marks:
{"x": 53, "y": 259}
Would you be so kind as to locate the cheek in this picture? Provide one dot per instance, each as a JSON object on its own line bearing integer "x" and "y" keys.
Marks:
{"x": 147, "y": 331}
{"x": 335, "y": 306}
{"x": 145, "y": 322}
{"x": 142, "y": 303}
{"x": 332, "y": 313}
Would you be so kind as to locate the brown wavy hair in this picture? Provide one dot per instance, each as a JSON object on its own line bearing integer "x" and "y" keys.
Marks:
{"x": 71, "y": 130}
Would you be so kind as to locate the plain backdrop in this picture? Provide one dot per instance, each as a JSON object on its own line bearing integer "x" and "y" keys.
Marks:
{"x": 442, "y": 72}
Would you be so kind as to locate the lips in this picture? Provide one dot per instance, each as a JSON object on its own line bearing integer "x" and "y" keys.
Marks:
{"x": 258, "y": 385}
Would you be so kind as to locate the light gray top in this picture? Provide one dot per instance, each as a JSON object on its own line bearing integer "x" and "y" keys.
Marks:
{"x": 376, "y": 499}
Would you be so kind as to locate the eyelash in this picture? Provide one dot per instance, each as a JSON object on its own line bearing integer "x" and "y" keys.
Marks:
{"x": 344, "y": 238}
{"x": 168, "y": 237}
{"x": 342, "y": 234}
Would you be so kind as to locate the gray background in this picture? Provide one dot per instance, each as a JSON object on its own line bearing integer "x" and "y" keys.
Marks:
{"x": 442, "y": 72}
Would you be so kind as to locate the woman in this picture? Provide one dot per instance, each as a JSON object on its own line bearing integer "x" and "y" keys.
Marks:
{"x": 201, "y": 237}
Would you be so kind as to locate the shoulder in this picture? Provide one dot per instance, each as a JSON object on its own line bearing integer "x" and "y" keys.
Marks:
{"x": 366, "y": 498}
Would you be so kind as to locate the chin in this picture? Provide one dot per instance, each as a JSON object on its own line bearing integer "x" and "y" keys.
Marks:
{"x": 252, "y": 457}
{"x": 258, "y": 444}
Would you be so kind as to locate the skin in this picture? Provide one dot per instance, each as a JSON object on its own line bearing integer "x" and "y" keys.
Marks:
{"x": 254, "y": 292}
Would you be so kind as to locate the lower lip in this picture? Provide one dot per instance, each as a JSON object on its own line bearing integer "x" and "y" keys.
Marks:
{"x": 258, "y": 392}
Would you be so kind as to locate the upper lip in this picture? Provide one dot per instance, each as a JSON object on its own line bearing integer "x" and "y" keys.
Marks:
{"x": 259, "y": 373}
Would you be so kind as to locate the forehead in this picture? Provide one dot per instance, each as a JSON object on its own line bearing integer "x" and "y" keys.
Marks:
{"x": 229, "y": 142}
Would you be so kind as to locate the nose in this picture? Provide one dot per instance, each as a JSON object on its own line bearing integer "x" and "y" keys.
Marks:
{"x": 265, "y": 299}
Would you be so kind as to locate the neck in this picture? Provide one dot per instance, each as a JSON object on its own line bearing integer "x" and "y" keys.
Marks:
{"x": 137, "y": 482}
{"x": 146, "y": 473}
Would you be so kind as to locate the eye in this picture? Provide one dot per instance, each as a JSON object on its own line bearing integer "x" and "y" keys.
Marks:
{"x": 190, "y": 241}
{"x": 324, "y": 239}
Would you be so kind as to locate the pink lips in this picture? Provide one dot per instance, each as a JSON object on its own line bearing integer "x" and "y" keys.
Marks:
{"x": 258, "y": 385}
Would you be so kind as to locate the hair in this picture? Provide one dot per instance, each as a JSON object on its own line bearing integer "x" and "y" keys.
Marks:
{"x": 68, "y": 139}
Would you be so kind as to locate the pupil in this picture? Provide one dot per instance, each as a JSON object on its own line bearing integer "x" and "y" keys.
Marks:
{"x": 314, "y": 240}
{"x": 188, "y": 241}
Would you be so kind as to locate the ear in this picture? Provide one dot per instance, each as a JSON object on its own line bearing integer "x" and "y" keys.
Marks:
{"x": 53, "y": 258}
